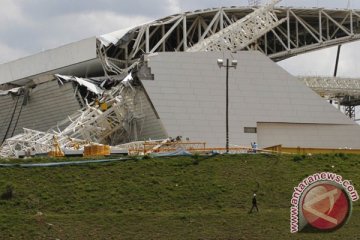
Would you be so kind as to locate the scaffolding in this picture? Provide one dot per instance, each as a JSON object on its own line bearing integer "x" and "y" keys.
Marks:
{"x": 173, "y": 145}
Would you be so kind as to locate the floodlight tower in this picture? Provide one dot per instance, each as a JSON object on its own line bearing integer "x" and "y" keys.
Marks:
{"x": 221, "y": 64}
{"x": 254, "y": 2}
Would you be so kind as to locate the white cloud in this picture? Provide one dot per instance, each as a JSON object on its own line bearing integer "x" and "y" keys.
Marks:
{"x": 10, "y": 14}
{"x": 317, "y": 63}
{"x": 104, "y": 22}
{"x": 68, "y": 28}
{"x": 322, "y": 62}
{"x": 8, "y": 53}
{"x": 173, "y": 6}
{"x": 348, "y": 61}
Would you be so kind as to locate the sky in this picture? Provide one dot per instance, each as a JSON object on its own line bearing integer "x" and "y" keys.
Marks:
{"x": 31, "y": 26}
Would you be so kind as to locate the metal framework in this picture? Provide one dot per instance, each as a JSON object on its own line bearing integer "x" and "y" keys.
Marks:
{"x": 350, "y": 112}
{"x": 278, "y": 32}
{"x": 345, "y": 91}
{"x": 241, "y": 33}
{"x": 96, "y": 125}
{"x": 92, "y": 124}
{"x": 31, "y": 141}
{"x": 334, "y": 87}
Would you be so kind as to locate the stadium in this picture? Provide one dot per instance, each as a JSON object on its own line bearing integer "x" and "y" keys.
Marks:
{"x": 207, "y": 76}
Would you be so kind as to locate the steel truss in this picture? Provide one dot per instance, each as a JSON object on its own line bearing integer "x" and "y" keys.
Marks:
{"x": 90, "y": 125}
{"x": 334, "y": 87}
{"x": 350, "y": 112}
{"x": 95, "y": 125}
{"x": 299, "y": 30}
{"x": 345, "y": 91}
{"x": 241, "y": 33}
{"x": 31, "y": 141}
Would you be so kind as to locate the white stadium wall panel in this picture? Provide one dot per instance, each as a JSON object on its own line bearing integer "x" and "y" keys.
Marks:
{"x": 309, "y": 135}
{"x": 188, "y": 93}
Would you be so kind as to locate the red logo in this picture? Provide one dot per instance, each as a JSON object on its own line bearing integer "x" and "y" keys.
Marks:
{"x": 326, "y": 207}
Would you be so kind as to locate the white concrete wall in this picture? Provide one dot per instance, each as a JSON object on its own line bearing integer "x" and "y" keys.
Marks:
{"x": 150, "y": 126}
{"x": 189, "y": 95}
{"x": 309, "y": 135}
{"x": 48, "y": 60}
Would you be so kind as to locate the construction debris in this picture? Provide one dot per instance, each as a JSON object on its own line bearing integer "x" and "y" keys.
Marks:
{"x": 82, "y": 82}
{"x": 16, "y": 90}
{"x": 94, "y": 124}
{"x": 176, "y": 146}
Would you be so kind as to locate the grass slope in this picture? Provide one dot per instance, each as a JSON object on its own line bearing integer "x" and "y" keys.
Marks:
{"x": 167, "y": 198}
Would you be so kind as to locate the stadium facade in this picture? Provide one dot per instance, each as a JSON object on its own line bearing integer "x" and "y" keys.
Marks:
{"x": 182, "y": 92}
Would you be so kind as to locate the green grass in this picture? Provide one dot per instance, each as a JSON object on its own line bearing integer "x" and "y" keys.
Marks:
{"x": 167, "y": 198}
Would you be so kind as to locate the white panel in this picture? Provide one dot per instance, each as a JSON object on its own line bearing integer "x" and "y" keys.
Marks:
{"x": 308, "y": 135}
{"x": 48, "y": 60}
{"x": 260, "y": 91}
{"x": 149, "y": 127}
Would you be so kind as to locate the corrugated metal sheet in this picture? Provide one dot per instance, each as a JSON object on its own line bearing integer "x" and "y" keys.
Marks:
{"x": 47, "y": 104}
{"x": 8, "y": 103}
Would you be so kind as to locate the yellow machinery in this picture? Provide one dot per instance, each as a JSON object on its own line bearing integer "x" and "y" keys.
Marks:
{"x": 56, "y": 151}
{"x": 96, "y": 150}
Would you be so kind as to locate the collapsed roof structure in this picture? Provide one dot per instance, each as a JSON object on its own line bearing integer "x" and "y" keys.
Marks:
{"x": 131, "y": 84}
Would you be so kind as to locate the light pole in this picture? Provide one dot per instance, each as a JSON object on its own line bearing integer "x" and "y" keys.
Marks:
{"x": 220, "y": 63}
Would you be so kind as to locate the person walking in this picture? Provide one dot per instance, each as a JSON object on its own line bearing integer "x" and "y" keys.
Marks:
{"x": 254, "y": 147}
{"x": 254, "y": 204}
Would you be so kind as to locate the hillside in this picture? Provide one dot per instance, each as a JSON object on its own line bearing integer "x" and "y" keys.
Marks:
{"x": 166, "y": 198}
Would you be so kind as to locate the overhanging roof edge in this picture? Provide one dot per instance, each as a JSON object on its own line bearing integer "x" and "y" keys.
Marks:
{"x": 57, "y": 58}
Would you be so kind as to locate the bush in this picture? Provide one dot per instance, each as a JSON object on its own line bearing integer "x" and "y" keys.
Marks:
{"x": 343, "y": 156}
{"x": 196, "y": 161}
{"x": 196, "y": 156}
{"x": 8, "y": 193}
{"x": 298, "y": 158}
